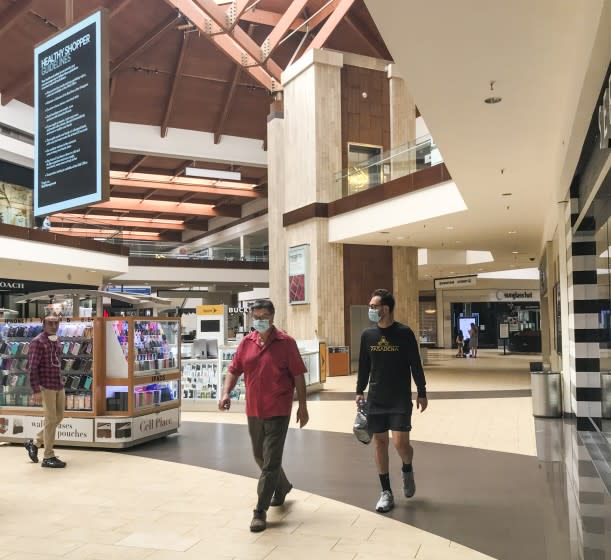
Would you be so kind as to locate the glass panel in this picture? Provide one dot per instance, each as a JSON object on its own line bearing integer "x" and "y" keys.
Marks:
{"x": 116, "y": 398}
{"x": 155, "y": 394}
{"x": 76, "y": 339}
{"x": 428, "y": 320}
{"x": 199, "y": 379}
{"x": 152, "y": 346}
{"x": 367, "y": 169}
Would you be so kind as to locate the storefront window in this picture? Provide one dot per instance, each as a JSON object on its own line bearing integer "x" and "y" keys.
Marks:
{"x": 428, "y": 319}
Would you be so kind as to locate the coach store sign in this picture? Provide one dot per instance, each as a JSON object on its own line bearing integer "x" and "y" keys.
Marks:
{"x": 11, "y": 285}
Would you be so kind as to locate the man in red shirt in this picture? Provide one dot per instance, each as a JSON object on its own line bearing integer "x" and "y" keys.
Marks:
{"x": 46, "y": 381}
{"x": 273, "y": 368}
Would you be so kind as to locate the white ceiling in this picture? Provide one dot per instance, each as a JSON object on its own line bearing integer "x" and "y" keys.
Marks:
{"x": 548, "y": 59}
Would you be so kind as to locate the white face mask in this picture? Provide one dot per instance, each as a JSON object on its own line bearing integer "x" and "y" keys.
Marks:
{"x": 52, "y": 337}
{"x": 373, "y": 315}
{"x": 260, "y": 325}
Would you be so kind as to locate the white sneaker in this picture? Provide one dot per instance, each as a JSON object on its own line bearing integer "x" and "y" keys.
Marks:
{"x": 409, "y": 485}
{"x": 386, "y": 502}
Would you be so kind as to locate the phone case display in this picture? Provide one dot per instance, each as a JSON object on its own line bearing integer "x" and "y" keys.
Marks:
{"x": 226, "y": 355}
{"x": 76, "y": 339}
{"x": 200, "y": 379}
{"x": 15, "y": 341}
{"x": 110, "y": 401}
{"x": 155, "y": 393}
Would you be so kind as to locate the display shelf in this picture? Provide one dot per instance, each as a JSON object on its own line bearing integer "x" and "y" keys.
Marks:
{"x": 100, "y": 361}
{"x": 200, "y": 379}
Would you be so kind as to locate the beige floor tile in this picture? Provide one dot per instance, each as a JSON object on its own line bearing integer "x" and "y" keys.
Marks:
{"x": 91, "y": 535}
{"x": 284, "y": 553}
{"x": 35, "y": 545}
{"x": 329, "y": 528}
{"x": 407, "y": 534}
{"x": 313, "y": 543}
{"x": 237, "y": 550}
{"x": 159, "y": 540}
{"x": 108, "y": 552}
{"x": 188, "y": 555}
{"x": 27, "y": 556}
{"x": 219, "y": 535}
{"x": 389, "y": 550}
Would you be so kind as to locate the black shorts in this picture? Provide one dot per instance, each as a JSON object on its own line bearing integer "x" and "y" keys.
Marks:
{"x": 380, "y": 423}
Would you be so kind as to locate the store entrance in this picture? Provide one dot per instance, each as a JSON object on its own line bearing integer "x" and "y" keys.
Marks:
{"x": 523, "y": 318}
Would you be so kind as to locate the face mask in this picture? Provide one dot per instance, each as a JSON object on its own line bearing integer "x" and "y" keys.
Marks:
{"x": 373, "y": 315}
{"x": 260, "y": 325}
{"x": 52, "y": 337}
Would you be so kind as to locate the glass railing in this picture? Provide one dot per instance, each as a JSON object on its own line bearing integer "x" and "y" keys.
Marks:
{"x": 387, "y": 166}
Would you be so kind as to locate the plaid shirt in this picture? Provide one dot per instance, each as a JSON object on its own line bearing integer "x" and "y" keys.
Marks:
{"x": 44, "y": 363}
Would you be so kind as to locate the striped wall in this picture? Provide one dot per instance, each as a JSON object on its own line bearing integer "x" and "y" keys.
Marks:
{"x": 584, "y": 309}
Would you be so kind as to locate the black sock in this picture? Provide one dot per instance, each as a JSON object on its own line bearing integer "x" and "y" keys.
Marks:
{"x": 385, "y": 482}
{"x": 406, "y": 467}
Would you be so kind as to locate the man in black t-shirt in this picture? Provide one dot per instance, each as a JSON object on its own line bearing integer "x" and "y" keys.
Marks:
{"x": 388, "y": 359}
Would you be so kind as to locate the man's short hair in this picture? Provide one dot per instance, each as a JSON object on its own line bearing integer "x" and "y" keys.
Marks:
{"x": 386, "y": 298}
{"x": 265, "y": 304}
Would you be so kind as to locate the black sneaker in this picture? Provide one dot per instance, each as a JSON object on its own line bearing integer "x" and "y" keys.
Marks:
{"x": 53, "y": 463}
{"x": 32, "y": 450}
{"x": 278, "y": 499}
{"x": 258, "y": 522}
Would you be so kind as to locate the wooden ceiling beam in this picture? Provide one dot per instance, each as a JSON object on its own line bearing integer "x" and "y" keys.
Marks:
{"x": 199, "y": 189}
{"x": 331, "y": 24}
{"x": 120, "y": 5}
{"x": 159, "y": 206}
{"x": 93, "y": 221}
{"x": 144, "y": 42}
{"x": 264, "y": 17}
{"x": 148, "y": 194}
{"x": 281, "y": 28}
{"x": 174, "y": 86}
{"x": 358, "y": 30}
{"x": 11, "y": 15}
{"x": 135, "y": 163}
{"x": 322, "y": 14}
{"x": 230, "y": 94}
{"x": 69, "y": 19}
{"x": 22, "y": 81}
{"x": 114, "y": 234}
{"x": 242, "y": 49}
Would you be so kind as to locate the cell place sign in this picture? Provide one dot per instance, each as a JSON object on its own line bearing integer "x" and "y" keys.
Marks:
{"x": 71, "y": 110}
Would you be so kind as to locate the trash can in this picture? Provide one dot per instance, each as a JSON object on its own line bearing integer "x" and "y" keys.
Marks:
{"x": 339, "y": 360}
{"x": 546, "y": 392}
{"x": 605, "y": 387}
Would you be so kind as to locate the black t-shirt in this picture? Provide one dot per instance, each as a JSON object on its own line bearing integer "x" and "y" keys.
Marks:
{"x": 387, "y": 361}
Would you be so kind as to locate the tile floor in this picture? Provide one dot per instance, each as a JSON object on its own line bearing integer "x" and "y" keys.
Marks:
{"x": 160, "y": 502}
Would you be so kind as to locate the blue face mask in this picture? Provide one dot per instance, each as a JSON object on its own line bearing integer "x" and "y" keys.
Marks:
{"x": 373, "y": 315}
{"x": 260, "y": 325}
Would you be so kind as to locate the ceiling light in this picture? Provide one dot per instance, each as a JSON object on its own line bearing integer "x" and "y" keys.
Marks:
{"x": 449, "y": 227}
{"x": 430, "y": 311}
{"x": 213, "y": 174}
{"x": 458, "y": 241}
{"x": 400, "y": 237}
{"x": 514, "y": 252}
{"x": 512, "y": 232}
{"x": 493, "y": 100}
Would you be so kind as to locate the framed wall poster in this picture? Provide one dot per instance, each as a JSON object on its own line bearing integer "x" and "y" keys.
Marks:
{"x": 298, "y": 274}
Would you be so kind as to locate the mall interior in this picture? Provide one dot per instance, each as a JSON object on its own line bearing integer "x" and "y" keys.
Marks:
{"x": 307, "y": 152}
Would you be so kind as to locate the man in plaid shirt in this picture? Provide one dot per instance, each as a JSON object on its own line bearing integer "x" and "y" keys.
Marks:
{"x": 47, "y": 383}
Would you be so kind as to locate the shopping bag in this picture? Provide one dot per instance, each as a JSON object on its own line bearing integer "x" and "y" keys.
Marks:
{"x": 360, "y": 429}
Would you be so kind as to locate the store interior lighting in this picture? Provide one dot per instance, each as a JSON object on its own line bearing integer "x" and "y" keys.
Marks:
{"x": 213, "y": 174}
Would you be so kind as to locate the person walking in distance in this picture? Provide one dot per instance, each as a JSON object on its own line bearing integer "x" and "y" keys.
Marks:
{"x": 388, "y": 359}
{"x": 47, "y": 384}
{"x": 273, "y": 369}
{"x": 473, "y": 333}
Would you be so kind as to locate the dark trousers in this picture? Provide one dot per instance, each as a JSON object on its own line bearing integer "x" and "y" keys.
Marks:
{"x": 267, "y": 438}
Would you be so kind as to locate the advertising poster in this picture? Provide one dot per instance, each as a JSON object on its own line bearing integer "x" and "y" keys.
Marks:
{"x": 15, "y": 205}
{"x": 298, "y": 272}
{"x": 71, "y": 110}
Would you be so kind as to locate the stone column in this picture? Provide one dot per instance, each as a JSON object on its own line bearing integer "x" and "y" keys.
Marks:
{"x": 405, "y": 287}
{"x": 402, "y": 123}
{"x": 244, "y": 247}
{"x": 312, "y": 156}
{"x": 276, "y": 203}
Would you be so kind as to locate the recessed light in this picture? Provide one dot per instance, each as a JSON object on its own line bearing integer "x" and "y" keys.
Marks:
{"x": 506, "y": 194}
{"x": 493, "y": 100}
{"x": 400, "y": 237}
{"x": 458, "y": 242}
{"x": 512, "y": 232}
{"x": 452, "y": 272}
{"x": 449, "y": 227}
{"x": 514, "y": 252}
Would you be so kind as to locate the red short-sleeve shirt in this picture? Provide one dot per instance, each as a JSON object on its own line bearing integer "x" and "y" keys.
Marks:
{"x": 269, "y": 373}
